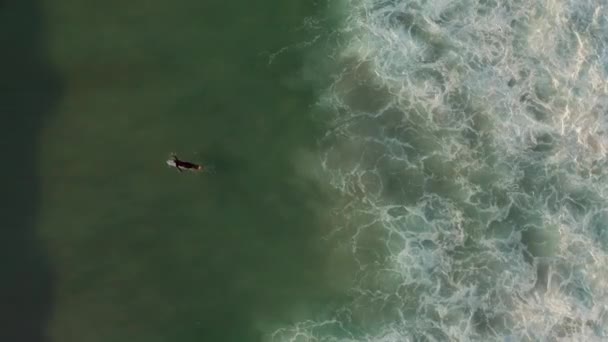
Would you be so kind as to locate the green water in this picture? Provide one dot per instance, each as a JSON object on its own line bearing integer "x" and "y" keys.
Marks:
{"x": 103, "y": 241}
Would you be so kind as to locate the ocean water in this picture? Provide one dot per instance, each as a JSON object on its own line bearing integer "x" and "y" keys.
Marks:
{"x": 468, "y": 142}
{"x": 106, "y": 243}
{"x": 383, "y": 171}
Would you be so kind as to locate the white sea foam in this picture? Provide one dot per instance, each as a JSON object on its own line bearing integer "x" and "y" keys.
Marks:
{"x": 468, "y": 140}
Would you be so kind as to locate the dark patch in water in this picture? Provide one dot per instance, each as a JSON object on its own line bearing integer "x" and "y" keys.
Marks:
{"x": 29, "y": 91}
{"x": 544, "y": 143}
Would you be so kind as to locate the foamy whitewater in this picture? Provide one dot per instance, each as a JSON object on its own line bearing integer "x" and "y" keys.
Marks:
{"x": 469, "y": 144}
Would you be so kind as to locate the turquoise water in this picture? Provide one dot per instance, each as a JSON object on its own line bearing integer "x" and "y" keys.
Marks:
{"x": 468, "y": 141}
{"x": 383, "y": 171}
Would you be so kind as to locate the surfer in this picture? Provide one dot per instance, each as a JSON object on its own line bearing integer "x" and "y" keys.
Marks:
{"x": 180, "y": 164}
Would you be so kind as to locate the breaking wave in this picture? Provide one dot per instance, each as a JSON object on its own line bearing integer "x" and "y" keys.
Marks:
{"x": 468, "y": 143}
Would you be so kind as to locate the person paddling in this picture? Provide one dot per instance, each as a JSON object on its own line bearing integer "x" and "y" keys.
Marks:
{"x": 180, "y": 164}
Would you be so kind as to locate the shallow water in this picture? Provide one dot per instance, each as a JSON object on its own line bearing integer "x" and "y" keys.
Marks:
{"x": 468, "y": 141}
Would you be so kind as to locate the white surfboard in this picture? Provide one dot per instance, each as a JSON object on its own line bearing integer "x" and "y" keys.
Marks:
{"x": 171, "y": 162}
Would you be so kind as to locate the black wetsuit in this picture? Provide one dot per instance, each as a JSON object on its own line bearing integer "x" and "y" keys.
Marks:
{"x": 186, "y": 165}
